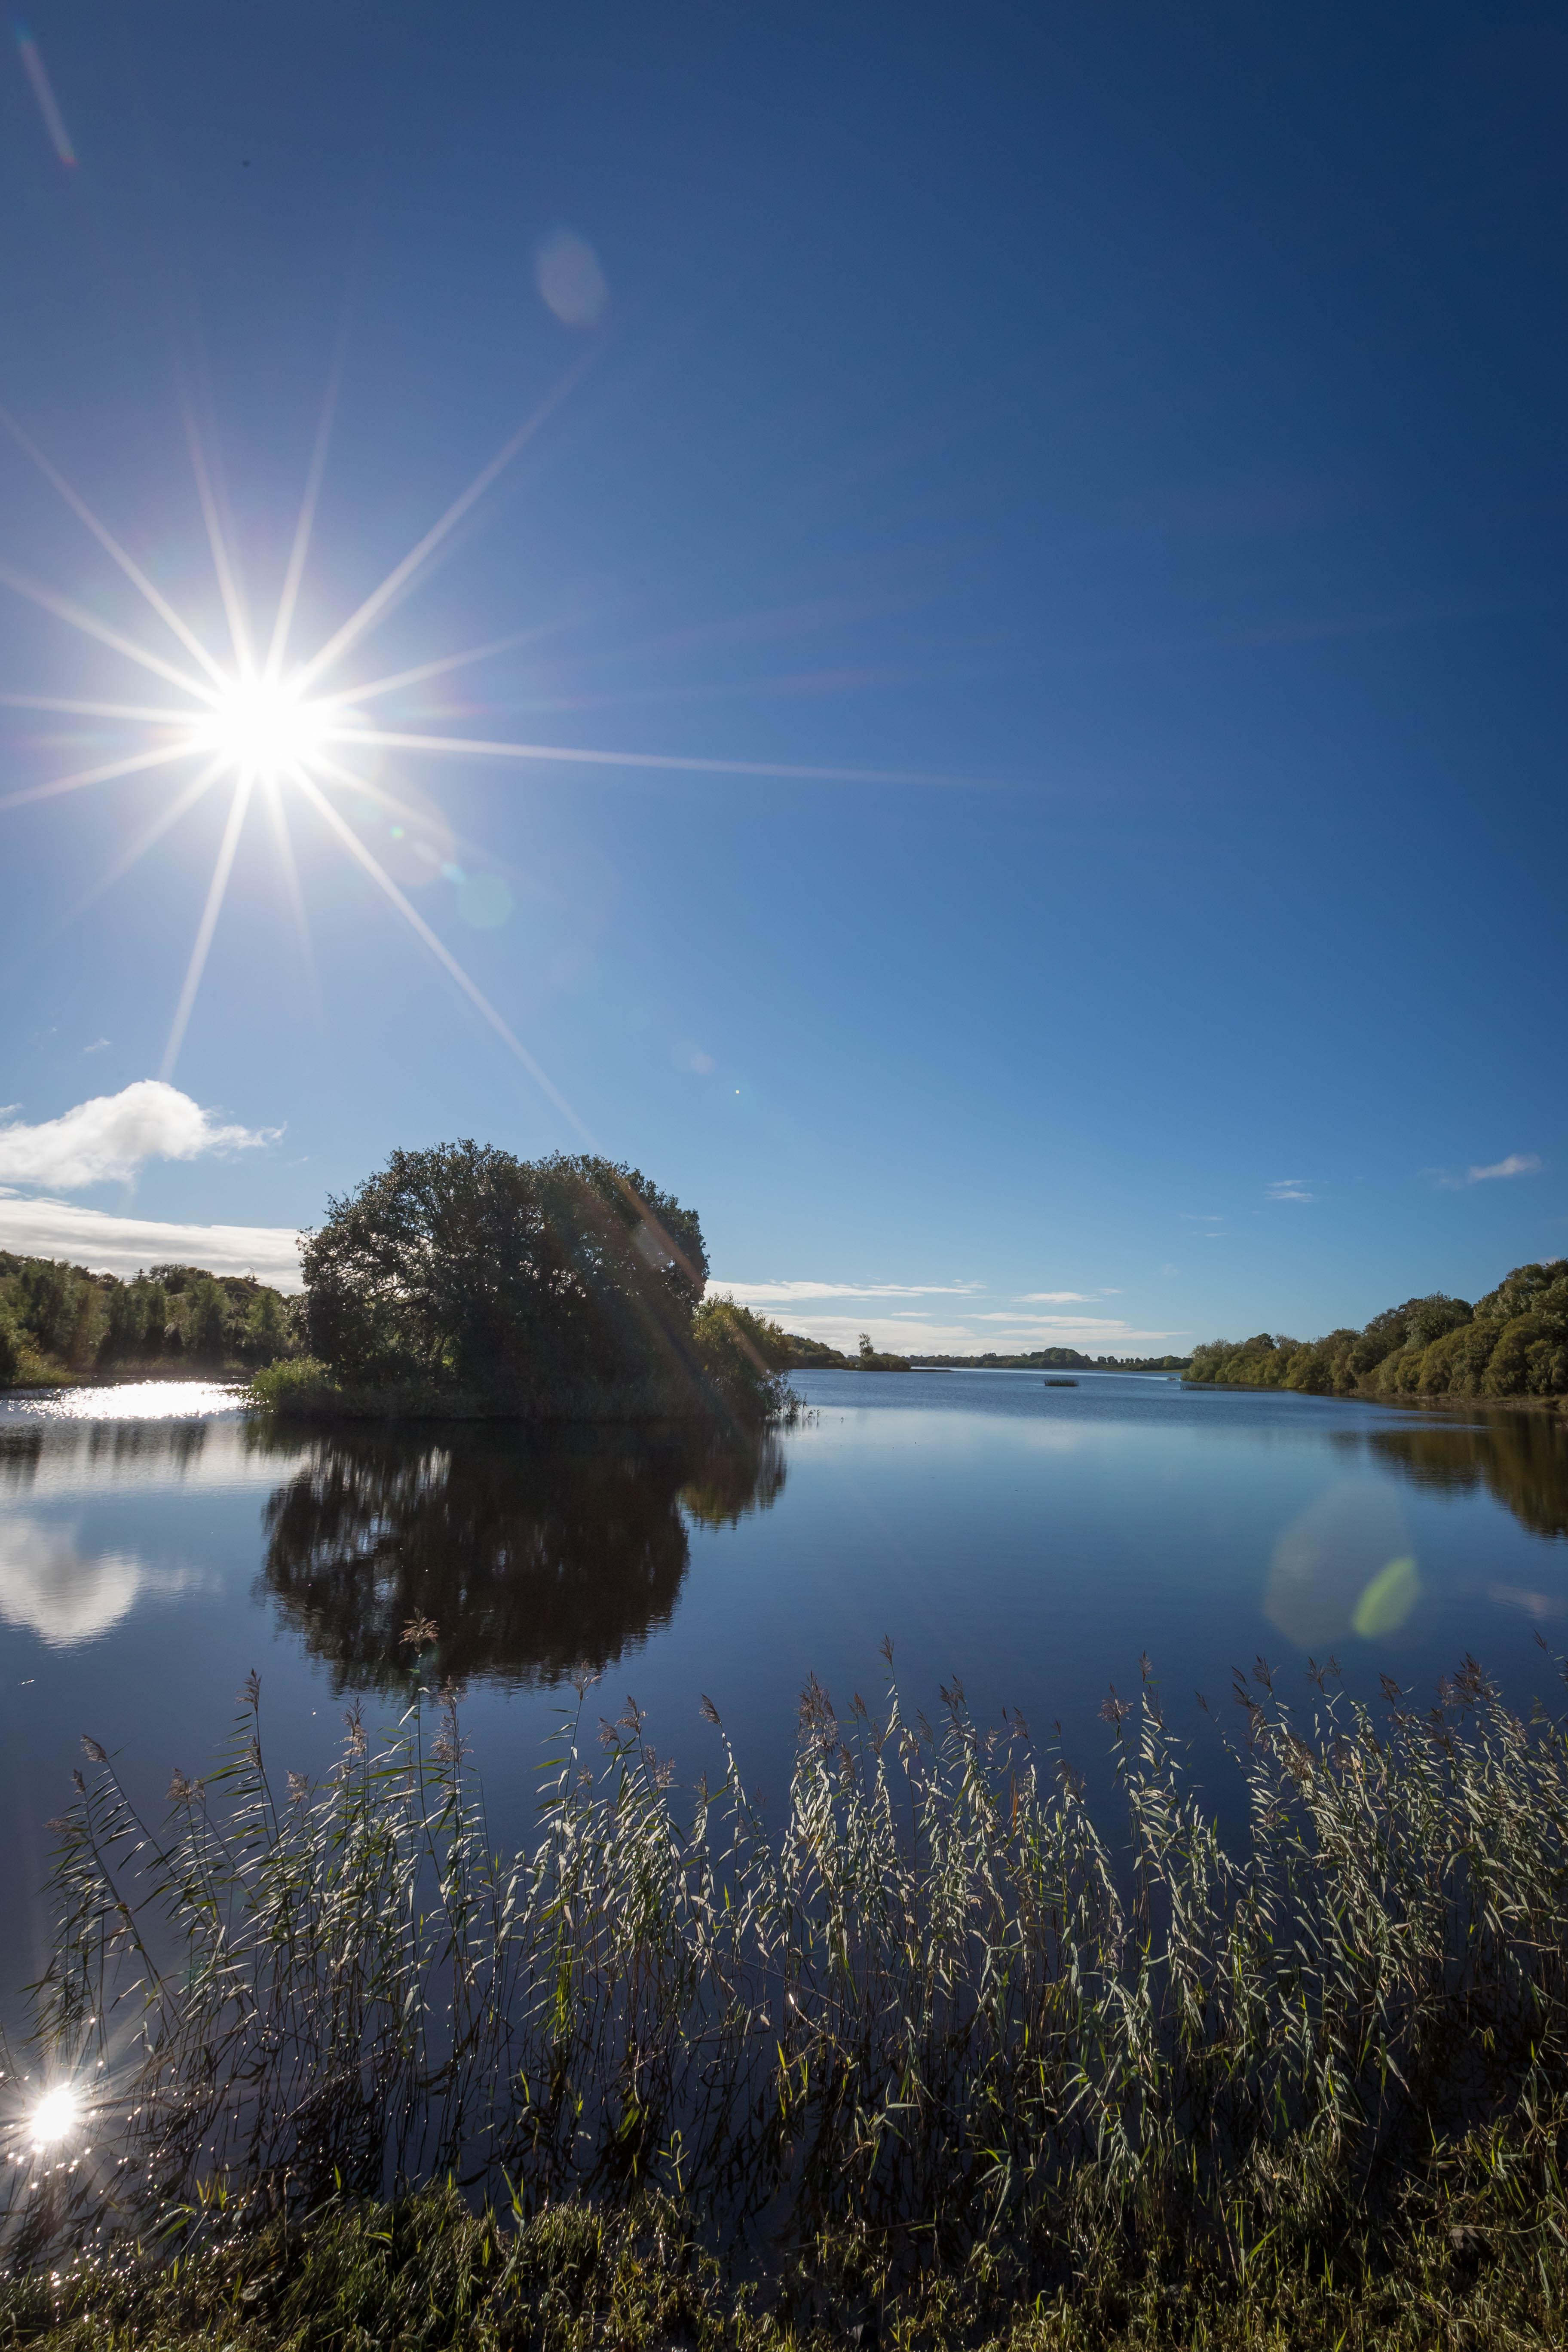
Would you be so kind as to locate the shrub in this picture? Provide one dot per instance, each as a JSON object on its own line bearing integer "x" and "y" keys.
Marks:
{"x": 300, "y": 1381}
{"x": 743, "y": 1355}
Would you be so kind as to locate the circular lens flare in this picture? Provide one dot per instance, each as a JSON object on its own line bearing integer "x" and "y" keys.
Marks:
{"x": 264, "y": 727}
{"x": 56, "y": 2116}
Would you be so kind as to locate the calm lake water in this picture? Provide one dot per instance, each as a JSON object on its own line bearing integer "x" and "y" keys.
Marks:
{"x": 1033, "y": 1540}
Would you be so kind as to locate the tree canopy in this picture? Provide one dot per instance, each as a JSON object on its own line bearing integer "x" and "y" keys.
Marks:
{"x": 58, "y": 1319}
{"x": 550, "y": 1288}
{"x": 1512, "y": 1342}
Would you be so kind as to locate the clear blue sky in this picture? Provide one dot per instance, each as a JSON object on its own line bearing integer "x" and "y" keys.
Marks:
{"x": 1143, "y": 426}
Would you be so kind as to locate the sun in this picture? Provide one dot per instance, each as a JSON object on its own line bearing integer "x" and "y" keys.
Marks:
{"x": 254, "y": 721}
{"x": 263, "y": 728}
{"x": 56, "y": 2116}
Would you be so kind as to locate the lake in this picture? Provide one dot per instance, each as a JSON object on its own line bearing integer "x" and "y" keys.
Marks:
{"x": 157, "y": 1545}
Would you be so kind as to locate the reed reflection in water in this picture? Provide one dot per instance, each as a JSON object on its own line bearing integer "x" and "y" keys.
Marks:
{"x": 531, "y": 1556}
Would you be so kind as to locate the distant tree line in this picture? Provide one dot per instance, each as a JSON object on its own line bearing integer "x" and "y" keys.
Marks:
{"x": 1512, "y": 1342}
{"x": 1058, "y": 1359}
{"x": 793, "y": 1352}
{"x": 57, "y": 1318}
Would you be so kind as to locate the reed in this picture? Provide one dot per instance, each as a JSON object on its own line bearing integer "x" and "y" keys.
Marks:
{"x": 937, "y": 2015}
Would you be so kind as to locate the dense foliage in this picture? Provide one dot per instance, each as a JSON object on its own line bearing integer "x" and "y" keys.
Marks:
{"x": 461, "y": 1278}
{"x": 1512, "y": 1342}
{"x": 59, "y": 1318}
{"x": 927, "y": 2053}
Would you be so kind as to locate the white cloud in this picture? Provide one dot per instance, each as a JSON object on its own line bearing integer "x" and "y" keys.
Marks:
{"x": 1061, "y": 1298}
{"x": 903, "y": 1336}
{"x": 108, "y": 1139}
{"x": 111, "y": 1245}
{"x": 1518, "y": 1164}
{"x": 1288, "y": 1188}
{"x": 784, "y": 1294}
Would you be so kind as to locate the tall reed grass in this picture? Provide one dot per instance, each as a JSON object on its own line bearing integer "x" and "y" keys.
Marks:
{"x": 937, "y": 2006}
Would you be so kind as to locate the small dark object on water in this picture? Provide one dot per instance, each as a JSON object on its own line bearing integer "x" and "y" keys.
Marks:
{"x": 1061, "y": 1384}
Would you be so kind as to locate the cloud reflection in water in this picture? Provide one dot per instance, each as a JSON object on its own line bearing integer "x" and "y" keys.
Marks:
{"x": 67, "y": 1594}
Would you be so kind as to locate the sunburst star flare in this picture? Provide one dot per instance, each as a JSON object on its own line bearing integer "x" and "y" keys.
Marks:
{"x": 257, "y": 726}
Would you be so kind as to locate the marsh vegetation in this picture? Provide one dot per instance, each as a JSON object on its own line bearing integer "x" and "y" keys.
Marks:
{"x": 937, "y": 2051}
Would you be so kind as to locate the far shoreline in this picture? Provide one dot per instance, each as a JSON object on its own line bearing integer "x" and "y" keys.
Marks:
{"x": 1556, "y": 1406}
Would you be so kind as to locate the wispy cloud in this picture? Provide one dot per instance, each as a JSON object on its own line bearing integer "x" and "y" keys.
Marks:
{"x": 111, "y": 1244}
{"x": 1064, "y": 1298}
{"x": 1518, "y": 1164}
{"x": 784, "y": 1294}
{"x": 108, "y": 1139}
{"x": 1288, "y": 1188}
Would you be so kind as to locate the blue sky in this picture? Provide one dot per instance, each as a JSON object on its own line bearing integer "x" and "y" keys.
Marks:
{"x": 1124, "y": 447}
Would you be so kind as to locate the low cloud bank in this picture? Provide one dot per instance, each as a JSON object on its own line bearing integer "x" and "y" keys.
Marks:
{"x": 123, "y": 1245}
{"x": 907, "y": 1330}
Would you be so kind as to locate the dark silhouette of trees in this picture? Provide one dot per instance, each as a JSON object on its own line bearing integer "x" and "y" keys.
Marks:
{"x": 461, "y": 1280}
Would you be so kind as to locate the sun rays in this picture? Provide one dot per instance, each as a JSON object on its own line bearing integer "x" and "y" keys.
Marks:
{"x": 263, "y": 728}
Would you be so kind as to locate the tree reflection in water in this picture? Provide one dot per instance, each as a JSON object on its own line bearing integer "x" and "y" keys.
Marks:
{"x": 1521, "y": 1457}
{"x": 531, "y": 1556}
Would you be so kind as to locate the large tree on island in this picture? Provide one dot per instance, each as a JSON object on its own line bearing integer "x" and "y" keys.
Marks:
{"x": 463, "y": 1269}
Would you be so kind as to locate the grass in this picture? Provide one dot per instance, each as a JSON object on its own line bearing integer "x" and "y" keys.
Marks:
{"x": 935, "y": 2059}
{"x": 430, "y": 2273}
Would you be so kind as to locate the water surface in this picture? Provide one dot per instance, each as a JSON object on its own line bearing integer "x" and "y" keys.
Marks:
{"x": 1033, "y": 1541}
